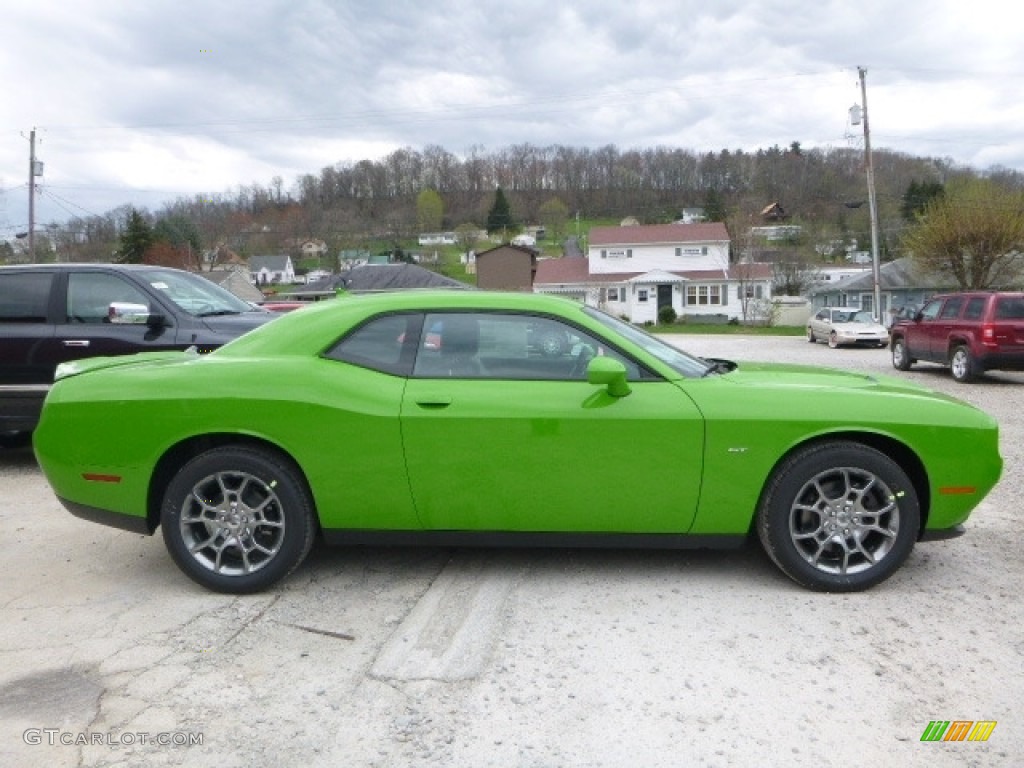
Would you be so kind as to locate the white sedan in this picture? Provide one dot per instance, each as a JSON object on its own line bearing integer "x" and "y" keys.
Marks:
{"x": 840, "y": 326}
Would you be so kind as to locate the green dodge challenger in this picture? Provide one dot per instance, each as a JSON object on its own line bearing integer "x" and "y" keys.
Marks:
{"x": 467, "y": 417}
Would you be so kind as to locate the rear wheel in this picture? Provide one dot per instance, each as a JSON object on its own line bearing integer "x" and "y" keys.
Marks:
{"x": 900, "y": 357}
{"x": 961, "y": 365}
{"x": 237, "y": 519}
{"x": 838, "y": 517}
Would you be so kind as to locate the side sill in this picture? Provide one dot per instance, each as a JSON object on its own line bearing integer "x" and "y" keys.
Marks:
{"x": 106, "y": 517}
{"x": 537, "y": 539}
{"x": 942, "y": 535}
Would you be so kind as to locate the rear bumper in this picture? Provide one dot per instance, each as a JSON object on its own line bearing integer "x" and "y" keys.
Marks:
{"x": 1001, "y": 361}
{"x": 106, "y": 517}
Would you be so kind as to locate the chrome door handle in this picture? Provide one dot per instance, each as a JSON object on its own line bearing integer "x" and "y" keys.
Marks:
{"x": 76, "y": 342}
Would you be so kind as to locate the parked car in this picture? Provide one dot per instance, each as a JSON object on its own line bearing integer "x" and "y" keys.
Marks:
{"x": 839, "y": 326}
{"x": 56, "y": 313}
{"x": 971, "y": 332}
{"x": 368, "y": 433}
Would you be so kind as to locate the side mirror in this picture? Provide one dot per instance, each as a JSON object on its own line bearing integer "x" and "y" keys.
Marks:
{"x": 610, "y": 373}
{"x": 126, "y": 313}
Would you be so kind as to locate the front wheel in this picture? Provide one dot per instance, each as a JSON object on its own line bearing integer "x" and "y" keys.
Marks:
{"x": 838, "y": 517}
{"x": 900, "y": 357}
{"x": 237, "y": 519}
{"x": 833, "y": 340}
{"x": 810, "y": 336}
{"x": 961, "y": 365}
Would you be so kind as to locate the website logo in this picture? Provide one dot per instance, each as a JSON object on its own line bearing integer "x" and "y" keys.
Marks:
{"x": 958, "y": 730}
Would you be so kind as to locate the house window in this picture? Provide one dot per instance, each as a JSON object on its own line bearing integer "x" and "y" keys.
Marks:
{"x": 752, "y": 291}
{"x": 641, "y": 295}
{"x": 679, "y": 251}
{"x": 704, "y": 294}
{"x": 604, "y": 254}
{"x": 613, "y": 295}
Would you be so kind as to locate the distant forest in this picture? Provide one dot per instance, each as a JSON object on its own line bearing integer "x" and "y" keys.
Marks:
{"x": 362, "y": 204}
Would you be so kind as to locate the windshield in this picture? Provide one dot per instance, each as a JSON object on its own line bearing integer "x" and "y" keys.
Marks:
{"x": 676, "y": 359}
{"x": 196, "y": 295}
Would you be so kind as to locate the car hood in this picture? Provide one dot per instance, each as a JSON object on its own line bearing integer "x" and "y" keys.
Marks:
{"x": 790, "y": 376}
{"x": 859, "y": 327}
{"x": 236, "y": 325}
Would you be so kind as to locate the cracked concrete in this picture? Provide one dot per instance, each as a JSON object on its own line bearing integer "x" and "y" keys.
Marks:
{"x": 386, "y": 656}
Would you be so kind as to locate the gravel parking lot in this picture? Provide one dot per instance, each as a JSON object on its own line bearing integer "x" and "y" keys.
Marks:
{"x": 389, "y": 657}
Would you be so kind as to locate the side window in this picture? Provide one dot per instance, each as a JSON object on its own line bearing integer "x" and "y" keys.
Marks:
{"x": 975, "y": 308}
{"x": 384, "y": 344}
{"x": 1009, "y": 308}
{"x": 508, "y": 347}
{"x": 91, "y": 293}
{"x": 24, "y": 297}
{"x": 951, "y": 309}
{"x": 931, "y": 310}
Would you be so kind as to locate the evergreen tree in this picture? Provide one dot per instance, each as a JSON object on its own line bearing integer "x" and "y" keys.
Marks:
{"x": 500, "y": 217}
{"x": 917, "y": 197}
{"x": 136, "y": 239}
{"x": 714, "y": 206}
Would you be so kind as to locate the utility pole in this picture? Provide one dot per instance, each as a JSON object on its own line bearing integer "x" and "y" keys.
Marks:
{"x": 32, "y": 196}
{"x": 872, "y": 204}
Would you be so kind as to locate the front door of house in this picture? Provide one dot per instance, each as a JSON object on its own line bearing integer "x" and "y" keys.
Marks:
{"x": 664, "y": 297}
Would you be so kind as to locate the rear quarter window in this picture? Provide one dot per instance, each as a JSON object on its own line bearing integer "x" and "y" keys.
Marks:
{"x": 386, "y": 344}
{"x": 975, "y": 308}
{"x": 25, "y": 297}
{"x": 1009, "y": 308}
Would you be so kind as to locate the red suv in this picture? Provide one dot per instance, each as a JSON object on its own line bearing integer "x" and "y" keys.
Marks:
{"x": 971, "y": 332}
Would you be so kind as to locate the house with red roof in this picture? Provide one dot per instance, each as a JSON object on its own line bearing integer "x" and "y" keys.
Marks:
{"x": 634, "y": 271}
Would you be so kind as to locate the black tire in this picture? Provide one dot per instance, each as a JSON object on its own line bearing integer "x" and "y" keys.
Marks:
{"x": 838, "y": 517}
{"x": 900, "y": 356}
{"x": 237, "y": 519}
{"x": 810, "y": 335}
{"x": 961, "y": 364}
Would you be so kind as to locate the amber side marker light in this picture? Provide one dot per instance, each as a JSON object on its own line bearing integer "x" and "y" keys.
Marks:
{"x": 957, "y": 490}
{"x": 95, "y": 478}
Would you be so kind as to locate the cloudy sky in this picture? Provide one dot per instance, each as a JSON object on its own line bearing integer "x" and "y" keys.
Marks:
{"x": 143, "y": 101}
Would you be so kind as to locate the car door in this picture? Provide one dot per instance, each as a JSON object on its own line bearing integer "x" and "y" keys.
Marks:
{"x": 942, "y": 326}
{"x": 917, "y": 334}
{"x": 25, "y": 329}
{"x": 501, "y": 436}
{"x": 83, "y": 328}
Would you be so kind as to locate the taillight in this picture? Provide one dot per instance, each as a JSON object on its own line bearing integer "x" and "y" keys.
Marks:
{"x": 988, "y": 333}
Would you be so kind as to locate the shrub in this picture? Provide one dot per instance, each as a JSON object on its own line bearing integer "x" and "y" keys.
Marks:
{"x": 667, "y": 315}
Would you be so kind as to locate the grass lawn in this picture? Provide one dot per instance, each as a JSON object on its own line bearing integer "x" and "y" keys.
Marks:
{"x": 728, "y": 330}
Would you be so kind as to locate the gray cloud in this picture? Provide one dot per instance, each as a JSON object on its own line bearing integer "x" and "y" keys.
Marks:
{"x": 142, "y": 102}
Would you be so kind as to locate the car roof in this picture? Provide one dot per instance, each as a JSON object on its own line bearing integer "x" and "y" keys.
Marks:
{"x": 65, "y": 266}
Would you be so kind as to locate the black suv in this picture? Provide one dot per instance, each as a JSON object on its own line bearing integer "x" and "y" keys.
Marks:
{"x": 971, "y": 332}
{"x": 53, "y": 313}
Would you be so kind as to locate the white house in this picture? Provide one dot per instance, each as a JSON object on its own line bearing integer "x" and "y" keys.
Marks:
{"x": 272, "y": 269}
{"x": 634, "y": 271}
